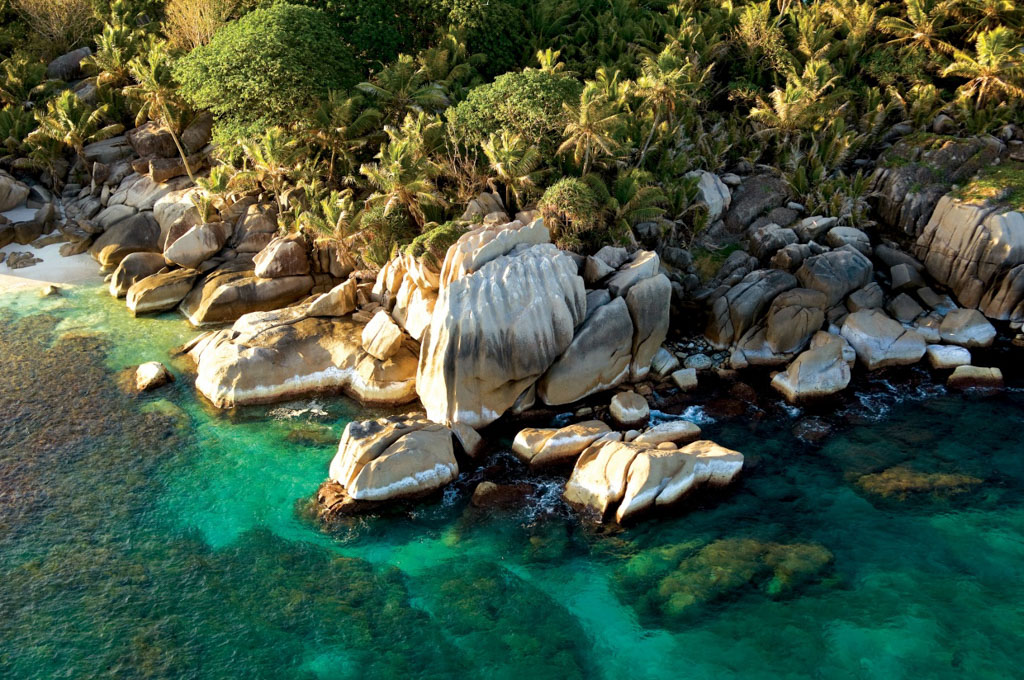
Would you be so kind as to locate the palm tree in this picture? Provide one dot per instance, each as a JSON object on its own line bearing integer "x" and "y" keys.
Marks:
{"x": 23, "y": 81}
{"x": 633, "y": 198}
{"x": 548, "y": 60}
{"x": 923, "y": 28}
{"x": 156, "y": 92}
{"x": 799, "y": 107}
{"x": 403, "y": 86}
{"x": 73, "y": 124}
{"x": 985, "y": 15}
{"x": 515, "y": 163}
{"x": 116, "y": 46}
{"x": 403, "y": 178}
{"x": 450, "y": 64}
{"x": 996, "y": 68}
{"x": 667, "y": 80}
{"x": 590, "y": 133}
{"x": 270, "y": 162}
{"x": 343, "y": 125}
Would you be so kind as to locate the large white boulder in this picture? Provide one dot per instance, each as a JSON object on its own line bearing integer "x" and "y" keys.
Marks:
{"x": 880, "y": 342}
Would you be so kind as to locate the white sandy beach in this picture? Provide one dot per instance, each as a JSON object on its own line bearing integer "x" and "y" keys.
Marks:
{"x": 54, "y": 269}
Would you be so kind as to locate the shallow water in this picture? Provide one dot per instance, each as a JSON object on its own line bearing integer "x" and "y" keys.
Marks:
{"x": 155, "y": 537}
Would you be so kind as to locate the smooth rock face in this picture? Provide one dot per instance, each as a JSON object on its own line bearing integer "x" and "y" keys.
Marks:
{"x": 675, "y": 431}
{"x": 630, "y": 478}
{"x": 629, "y": 409}
{"x": 339, "y": 301}
{"x": 394, "y": 458}
{"x": 944, "y": 357}
{"x": 837, "y": 237}
{"x": 664, "y": 364}
{"x": 233, "y": 290}
{"x": 968, "y": 328}
{"x": 283, "y": 256}
{"x": 282, "y": 354}
{"x": 382, "y": 337}
{"x": 649, "y": 304}
{"x": 597, "y": 359}
{"x": 496, "y": 330}
{"x": 12, "y": 192}
{"x": 685, "y": 379}
{"x": 139, "y": 233}
{"x": 734, "y": 313}
{"x": 132, "y": 269}
{"x": 713, "y": 192}
{"x": 818, "y": 372}
{"x": 151, "y": 375}
{"x": 975, "y": 377}
{"x": 836, "y": 273}
{"x": 879, "y": 341}
{"x": 793, "y": 318}
{"x": 979, "y": 253}
{"x": 160, "y": 292}
{"x": 553, "y": 446}
{"x": 255, "y": 229}
{"x": 197, "y": 245}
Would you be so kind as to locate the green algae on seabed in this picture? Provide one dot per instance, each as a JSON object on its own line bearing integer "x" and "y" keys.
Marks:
{"x": 152, "y": 536}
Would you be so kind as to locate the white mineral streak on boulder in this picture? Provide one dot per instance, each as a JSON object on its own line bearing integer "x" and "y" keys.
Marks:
{"x": 637, "y": 477}
{"x": 272, "y": 356}
{"x": 978, "y": 252}
{"x": 551, "y": 446}
{"x": 506, "y": 310}
{"x": 393, "y": 458}
{"x": 818, "y": 372}
{"x": 880, "y": 342}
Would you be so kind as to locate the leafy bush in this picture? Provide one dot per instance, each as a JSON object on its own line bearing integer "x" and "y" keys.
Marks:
{"x": 494, "y": 28}
{"x": 383, "y": 232}
{"x": 191, "y": 23}
{"x": 266, "y": 68}
{"x": 433, "y": 244}
{"x": 61, "y": 24}
{"x": 572, "y": 212}
{"x": 527, "y": 104}
{"x": 378, "y": 30}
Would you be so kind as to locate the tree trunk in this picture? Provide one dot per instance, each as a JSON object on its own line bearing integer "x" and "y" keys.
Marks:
{"x": 177, "y": 144}
{"x": 647, "y": 144}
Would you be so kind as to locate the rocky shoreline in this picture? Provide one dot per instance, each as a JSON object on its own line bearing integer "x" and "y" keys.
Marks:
{"x": 501, "y": 329}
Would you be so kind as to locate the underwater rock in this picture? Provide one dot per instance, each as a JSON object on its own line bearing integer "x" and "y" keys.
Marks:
{"x": 629, "y": 478}
{"x": 491, "y": 496}
{"x": 675, "y": 581}
{"x": 152, "y": 375}
{"x": 901, "y": 482}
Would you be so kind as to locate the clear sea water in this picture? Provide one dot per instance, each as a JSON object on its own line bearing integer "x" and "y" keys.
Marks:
{"x": 154, "y": 537}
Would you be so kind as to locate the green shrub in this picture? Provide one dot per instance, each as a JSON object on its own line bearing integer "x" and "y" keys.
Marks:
{"x": 526, "y": 103}
{"x": 495, "y": 28}
{"x": 266, "y": 69}
{"x": 433, "y": 244}
{"x": 573, "y": 214}
{"x": 384, "y": 233}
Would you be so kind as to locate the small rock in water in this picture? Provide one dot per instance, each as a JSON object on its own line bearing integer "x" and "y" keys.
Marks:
{"x": 947, "y": 356}
{"x": 812, "y": 430}
{"x": 976, "y": 377}
{"x": 49, "y": 290}
{"x": 151, "y": 375}
{"x": 629, "y": 410}
{"x": 685, "y": 379}
{"x": 500, "y": 496}
{"x": 700, "y": 362}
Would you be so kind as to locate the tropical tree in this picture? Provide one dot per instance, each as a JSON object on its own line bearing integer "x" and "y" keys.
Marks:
{"x": 798, "y": 108}
{"x": 632, "y": 199}
{"x": 404, "y": 86}
{"x": 343, "y": 125}
{"x": 403, "y": 178}
{"x": 667, "y": 81}
{"x": 924, "y": 26}
{"x": 590, "y": 133}
{"x": 73, "y": 124}
{"x": 23, "y": 81}
{"x": 156, "y": 94}
{"x": 515, "y": 163}
{"x": 116, "y": 46}
{"x": 269, "y": 163}
{"x": 450, "y": 64}
{"x": 995, "y": 69}
{"x": 984, "y": 15}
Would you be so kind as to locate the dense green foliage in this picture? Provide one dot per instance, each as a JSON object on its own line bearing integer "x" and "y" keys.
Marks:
{"x": 390, "y": 117}
{"x": 527, "y": 103}
{"x": 266, "y": 68}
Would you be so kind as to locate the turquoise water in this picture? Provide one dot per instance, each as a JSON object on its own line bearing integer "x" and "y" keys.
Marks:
{"x": 155, "y": 537}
